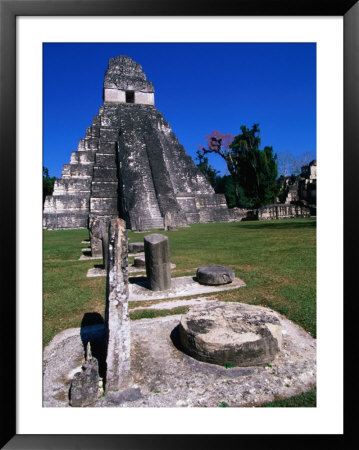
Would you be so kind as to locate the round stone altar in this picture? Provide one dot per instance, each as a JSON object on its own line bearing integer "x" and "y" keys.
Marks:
{"x": 233, "y": 334}
{"x": 214, "y": 275}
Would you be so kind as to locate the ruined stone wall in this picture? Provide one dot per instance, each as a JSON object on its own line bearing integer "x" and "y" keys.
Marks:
{"x": 303, "y": 190}
{"x": 283, "y": 211}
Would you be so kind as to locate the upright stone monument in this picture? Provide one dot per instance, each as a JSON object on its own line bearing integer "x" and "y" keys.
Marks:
{"x": 117, "y": 321}
{"x": 131, "y": 165}
{"x": 158, "y": 263}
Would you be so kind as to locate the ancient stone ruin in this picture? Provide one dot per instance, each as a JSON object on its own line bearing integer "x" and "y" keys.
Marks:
{"x": 214, "y": 275}
{"x": 235, "y": 334}
{"x": 131, "y": 165}
{"x": 243, "y": 354}
{"x": 117, "y": 321}
{"x": 301, "y": 190}
{"x": 158, "y": 262}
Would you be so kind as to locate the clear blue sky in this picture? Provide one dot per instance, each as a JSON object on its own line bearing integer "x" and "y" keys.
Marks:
{"x": 198, "y": 88}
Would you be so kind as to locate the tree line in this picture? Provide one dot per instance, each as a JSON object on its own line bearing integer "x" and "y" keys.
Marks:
{"x": 252, "y": 179}
{"x": 47, "y": 183}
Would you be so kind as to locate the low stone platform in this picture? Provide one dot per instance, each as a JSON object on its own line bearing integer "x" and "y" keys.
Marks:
{"x": 180, "y": 287}
{"x": 100, "y": 272}
{"x": 86, "y": 256}
{"x": 171, "y": 304}
{"x": 164, "y": 376}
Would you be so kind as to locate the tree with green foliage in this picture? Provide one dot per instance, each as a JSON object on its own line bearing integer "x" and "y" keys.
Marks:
{"x": 208, "y": 171}
{"x": 224, "y": 185}
{"x": 220, "y": 144}
{"x": 47, "y": 183}
{"x": 253, "y": 171}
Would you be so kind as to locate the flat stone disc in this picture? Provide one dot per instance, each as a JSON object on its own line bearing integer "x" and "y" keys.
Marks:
{"x": 215, "y": 275}
{"x": 231, "y": 333}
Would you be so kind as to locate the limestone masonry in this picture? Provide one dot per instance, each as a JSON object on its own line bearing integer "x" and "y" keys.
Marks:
{"x": 131, "y": 165}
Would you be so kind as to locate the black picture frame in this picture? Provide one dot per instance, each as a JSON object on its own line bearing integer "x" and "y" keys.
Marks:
{"x": 9, "y": 10}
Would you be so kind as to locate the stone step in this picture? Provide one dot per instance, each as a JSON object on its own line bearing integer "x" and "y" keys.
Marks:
{"x": 93, "y": 131}
{"x": 107, "y": 147}
{"x": 91, "y": 143}
{"x": 104, "y": 173}
{"x": 66, "y": 203}
{"x": 147, "y": 224}
{"x": 109, "y": 134}
{"x": 72, "y": 186}
{"x": 106, "y": 160}
{"x": 78, "y": 170}
{"x": 103, "y": 206}
{"x": 104, "y": 189}
{"x": 65, "y": 220}
{"x": 83, "y": 157}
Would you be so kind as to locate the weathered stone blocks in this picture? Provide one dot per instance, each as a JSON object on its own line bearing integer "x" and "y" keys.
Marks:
{"x": 214, "y": 275}
{"x": 231, "y": 333}
{"x": 98, "y": 229}
{"x": 139, "y": 261}
{"x": 136, "y": 247}
{"x": 158, "y": 265}
{"x": 84, "y": 386}
{"x": 117, "y": 321}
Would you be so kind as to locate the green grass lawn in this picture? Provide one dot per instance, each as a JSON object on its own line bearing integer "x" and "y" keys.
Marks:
{"x": 277, "y": 260}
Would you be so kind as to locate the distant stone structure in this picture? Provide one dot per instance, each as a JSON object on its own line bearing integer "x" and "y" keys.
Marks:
{"x": 131, "y": 165}
{"x": 299, "y": 200}
{"x": 302, "y": 190}
{"x": 282, "y": 211}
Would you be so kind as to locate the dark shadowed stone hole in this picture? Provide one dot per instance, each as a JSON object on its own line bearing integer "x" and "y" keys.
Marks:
{"x": 176, "y": 340}
{"x": 130, "y": 97}
{"x": 232, "y": 372}
{"x": 96, "y": 340}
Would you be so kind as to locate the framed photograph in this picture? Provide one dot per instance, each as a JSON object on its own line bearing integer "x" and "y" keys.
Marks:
{"x": 26, "y": 29}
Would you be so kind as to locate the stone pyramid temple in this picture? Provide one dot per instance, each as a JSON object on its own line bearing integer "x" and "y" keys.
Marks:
{"x": 131, "y": 165}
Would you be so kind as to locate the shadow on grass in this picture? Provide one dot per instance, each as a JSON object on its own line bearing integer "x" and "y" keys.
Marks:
{"x": 277, "y": 225}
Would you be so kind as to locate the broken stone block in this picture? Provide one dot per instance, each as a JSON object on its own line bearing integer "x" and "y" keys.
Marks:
{"x": 97, "y": 228}
{"x": 231, "y": 333}
{"x": 84, "y": 386}
{"x": 215, "y": 275}
{"x": 136, "y": 247}
{"x": 158, "y": 265}
{"x": 139, "y": 262}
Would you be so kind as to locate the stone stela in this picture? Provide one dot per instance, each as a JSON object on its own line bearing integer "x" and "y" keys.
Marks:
{"x": 117, "y": 321}
{"x": 157, "y": 260}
